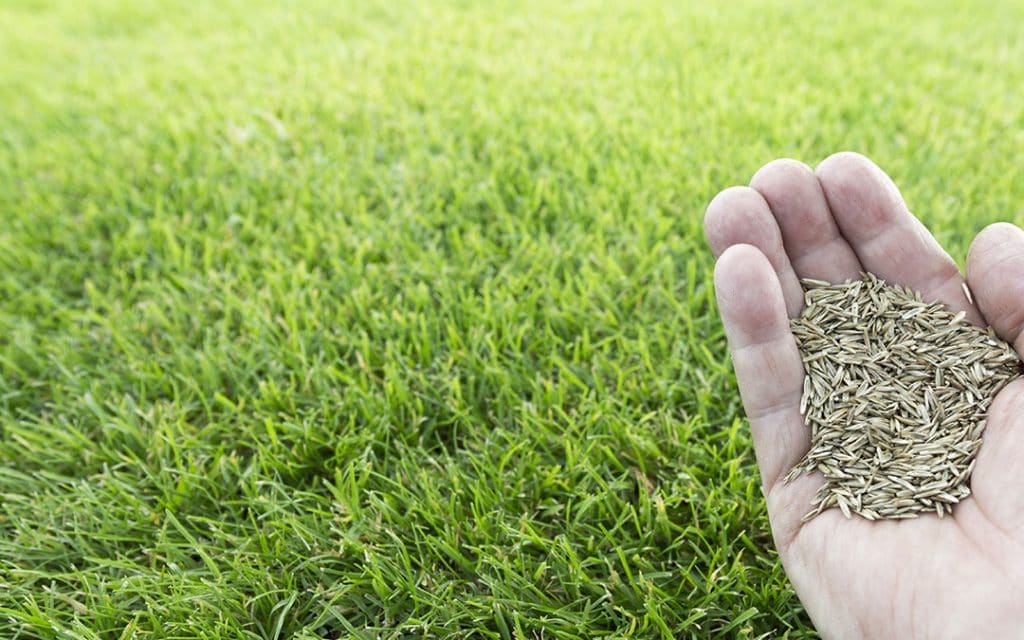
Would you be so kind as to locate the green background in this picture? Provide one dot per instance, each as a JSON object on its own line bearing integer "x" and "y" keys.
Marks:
{"x": 395, "y": 320}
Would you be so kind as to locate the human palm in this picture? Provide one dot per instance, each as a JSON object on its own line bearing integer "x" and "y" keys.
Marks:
{"x": 961, "y": 576}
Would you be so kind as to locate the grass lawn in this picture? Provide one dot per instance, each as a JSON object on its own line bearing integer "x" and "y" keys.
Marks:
{"x": 394, "y": 320}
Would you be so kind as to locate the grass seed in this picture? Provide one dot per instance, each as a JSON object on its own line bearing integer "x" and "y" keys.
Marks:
{"x": 895, "y": 394}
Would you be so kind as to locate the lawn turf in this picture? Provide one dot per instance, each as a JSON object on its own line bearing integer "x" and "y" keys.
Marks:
{"x": 395, "y": 320}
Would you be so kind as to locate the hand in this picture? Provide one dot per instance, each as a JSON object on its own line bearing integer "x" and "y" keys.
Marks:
{"x": 955, "y": 577}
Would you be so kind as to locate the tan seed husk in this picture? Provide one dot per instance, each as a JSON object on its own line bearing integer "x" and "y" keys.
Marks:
{"x": 895, "y": 393}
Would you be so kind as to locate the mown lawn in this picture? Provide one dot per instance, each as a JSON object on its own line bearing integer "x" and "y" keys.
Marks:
{"x": 394, "y": 320}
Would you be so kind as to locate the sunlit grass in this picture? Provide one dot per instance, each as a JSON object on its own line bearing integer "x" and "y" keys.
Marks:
{"x": 332, "y": 321}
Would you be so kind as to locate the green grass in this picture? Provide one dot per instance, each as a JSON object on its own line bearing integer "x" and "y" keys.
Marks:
{"x": 349, "y": 321}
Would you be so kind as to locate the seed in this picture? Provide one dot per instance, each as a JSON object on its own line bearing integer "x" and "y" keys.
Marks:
{"x": 895, "y": 395}
{"x": 967, "y": 292}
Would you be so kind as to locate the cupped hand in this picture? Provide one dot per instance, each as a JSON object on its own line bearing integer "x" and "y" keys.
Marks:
{"x": 929, "y": 577}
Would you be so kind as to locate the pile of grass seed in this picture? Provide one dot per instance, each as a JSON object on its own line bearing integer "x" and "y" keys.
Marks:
{"x": 895, "y": 393}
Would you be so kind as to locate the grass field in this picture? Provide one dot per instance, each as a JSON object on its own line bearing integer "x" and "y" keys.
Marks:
{"x": 342, "y": 320}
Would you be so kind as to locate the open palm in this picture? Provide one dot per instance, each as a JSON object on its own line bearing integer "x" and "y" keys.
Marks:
{"x": 930, "y": 577}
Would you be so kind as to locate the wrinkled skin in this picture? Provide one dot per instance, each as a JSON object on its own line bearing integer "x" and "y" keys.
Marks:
{"x": 955, "y": 577}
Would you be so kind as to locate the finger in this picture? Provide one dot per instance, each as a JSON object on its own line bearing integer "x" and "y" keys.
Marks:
{"x": 739, "y": 215}
{"x": 769, "y": 372}
{"x": 768, "y": 366}
{"x": 815, "y": 247}
{"x": 888, "y": 240}
{"x": 995, "y": 272}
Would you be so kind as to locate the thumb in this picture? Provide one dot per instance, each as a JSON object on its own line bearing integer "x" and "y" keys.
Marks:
{"x": 995, "y": 271}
